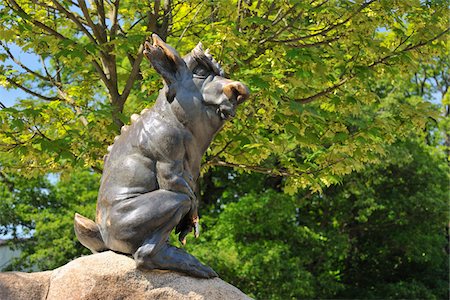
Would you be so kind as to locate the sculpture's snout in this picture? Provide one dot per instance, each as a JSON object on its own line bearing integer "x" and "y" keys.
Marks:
{"x": 227, "y": 95}
{"x": 236, "y": 91}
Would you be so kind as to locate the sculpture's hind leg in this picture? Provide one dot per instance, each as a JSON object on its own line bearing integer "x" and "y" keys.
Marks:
{"x": 172, "y": 258}
{"x": 156, "y": 253}
{"x": 145, "y": 222}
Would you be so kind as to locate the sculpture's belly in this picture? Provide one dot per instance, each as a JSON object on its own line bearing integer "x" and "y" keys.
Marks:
{"x": 126, "y": 177}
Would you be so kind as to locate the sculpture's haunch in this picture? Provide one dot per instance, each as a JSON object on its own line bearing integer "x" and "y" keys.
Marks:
{"x": 150, "y": 173}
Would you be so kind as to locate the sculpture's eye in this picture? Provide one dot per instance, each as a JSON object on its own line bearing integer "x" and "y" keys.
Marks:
{"x": 200, "y": 72}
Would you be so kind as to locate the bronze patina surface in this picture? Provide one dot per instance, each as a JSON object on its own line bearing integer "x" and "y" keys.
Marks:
{"x": 149, "y": 177}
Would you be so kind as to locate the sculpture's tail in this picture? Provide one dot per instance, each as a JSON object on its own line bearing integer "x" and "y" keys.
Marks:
{"x": 88, "y": 234}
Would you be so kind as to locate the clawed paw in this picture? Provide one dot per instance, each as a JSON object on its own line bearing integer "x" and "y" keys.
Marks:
{"x": 185, "y": 227}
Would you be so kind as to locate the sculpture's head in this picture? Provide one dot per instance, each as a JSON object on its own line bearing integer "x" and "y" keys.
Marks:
{"x": 195, "y": 82}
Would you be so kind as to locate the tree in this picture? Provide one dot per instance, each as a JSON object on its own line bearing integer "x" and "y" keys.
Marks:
{"x": 308, "y": 65}
{"x": 379, "y": 234}
{"x": 42, "y": 213}
{"x": 397, "y": 232}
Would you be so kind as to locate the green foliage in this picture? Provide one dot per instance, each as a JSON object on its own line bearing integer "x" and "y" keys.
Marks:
{"x": 260, "y": 247}
{"x": 45, "y": 211}
{"x": 397, "y": 223}
{"x": 315, "y": 70}
{"x": 21, "y": 199}
{"x": 379, "y": 234}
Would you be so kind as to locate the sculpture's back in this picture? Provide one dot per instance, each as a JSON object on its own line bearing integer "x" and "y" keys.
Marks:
{"x": 149, "y": 177}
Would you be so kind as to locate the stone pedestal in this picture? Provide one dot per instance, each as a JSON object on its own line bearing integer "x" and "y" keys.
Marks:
{"x": 109, "y": 275}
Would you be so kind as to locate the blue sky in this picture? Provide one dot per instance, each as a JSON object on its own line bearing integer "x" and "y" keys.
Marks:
{"x": 9, "y": 97}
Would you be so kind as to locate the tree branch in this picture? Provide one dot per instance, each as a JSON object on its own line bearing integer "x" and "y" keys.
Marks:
{"x": 409, "y": 48}
{"x": 107, "y": 59}
{"x": 373, "y": 64}
{"x": 75, "y": 20}
{"x": 102, "y": 20}
{"x": 189, "y": 24}
{"x": 51, "y": 31}
{"x": 88, "y": 18}
{"x": 19, "y": 63}
{"x": 325, "y": 31}
{"x": 35, "y": 22}
{"x": 153, "y": 17}
{"x": 101, "y": 13}
{"x": 275, "y": 22}
{"x": 48, "y": 79}
{"x": 135, "y": 23}
{"x": 133, "y": 74}
{"x": 27, "y": 90}
{"x": 64, "y": 95}
{"x": 114, "y": 20}
{"x": 71, "y": 102}
{"x": 257, "y": 169}
{"x": 268, "y": 171}
{"x": 324, "y": 92}
{"x": 309, "y": 45}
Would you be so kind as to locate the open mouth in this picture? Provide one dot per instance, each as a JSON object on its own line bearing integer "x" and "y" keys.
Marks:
{"x": 225, "y": 113}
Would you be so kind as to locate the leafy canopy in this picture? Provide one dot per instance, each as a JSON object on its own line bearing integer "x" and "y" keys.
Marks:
{"x": 314, "y": 68}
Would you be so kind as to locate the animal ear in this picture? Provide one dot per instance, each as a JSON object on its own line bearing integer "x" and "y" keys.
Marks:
{"x": 165, "y": 60}
{"x": 205, "y": 58}
{"x": 198, "y": 50}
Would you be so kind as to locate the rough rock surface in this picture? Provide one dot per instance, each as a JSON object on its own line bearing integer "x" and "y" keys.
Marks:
{"x": 24, "y": 286}
{"x": 109, "y": 275}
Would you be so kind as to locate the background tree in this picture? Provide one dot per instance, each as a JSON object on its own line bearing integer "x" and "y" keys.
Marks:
{"x": 380, "y": 234}
{"x": 338, "y": 87}
{"x": 308, "y": 64}
{"x": 41, "y": 213}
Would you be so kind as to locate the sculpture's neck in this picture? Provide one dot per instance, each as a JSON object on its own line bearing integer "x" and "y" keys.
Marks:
{"x": 192, "y": 113}
{"x": 203, "y": 130}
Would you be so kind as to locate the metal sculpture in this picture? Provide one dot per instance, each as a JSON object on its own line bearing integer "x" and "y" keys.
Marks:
{"x": 150, "y": 173}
